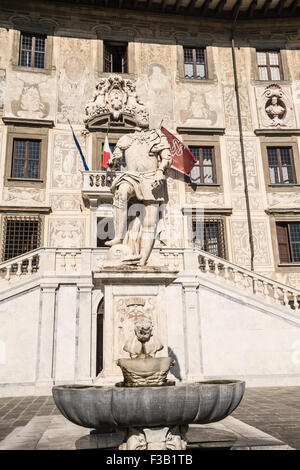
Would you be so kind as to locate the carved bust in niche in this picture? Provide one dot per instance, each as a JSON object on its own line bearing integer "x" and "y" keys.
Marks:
{"x": 276, "y": 110}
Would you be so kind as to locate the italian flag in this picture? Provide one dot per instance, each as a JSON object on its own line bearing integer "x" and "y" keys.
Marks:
{"x": 107, "y": 154}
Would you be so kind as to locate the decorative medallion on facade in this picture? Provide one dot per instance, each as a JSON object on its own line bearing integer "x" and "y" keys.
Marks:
{"x": 275, "y": 107}
{"x": 114, "y": 98}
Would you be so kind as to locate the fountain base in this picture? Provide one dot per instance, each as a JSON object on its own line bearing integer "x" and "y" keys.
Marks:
{"x": 154, "y": 438}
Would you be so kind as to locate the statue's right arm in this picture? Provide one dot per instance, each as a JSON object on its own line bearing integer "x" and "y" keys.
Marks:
{"x": 116, "y": 158}
{"x": 123, "y": 143}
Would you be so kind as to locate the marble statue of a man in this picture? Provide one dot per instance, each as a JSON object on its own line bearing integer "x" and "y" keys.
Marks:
{"x": 147, "y": 155}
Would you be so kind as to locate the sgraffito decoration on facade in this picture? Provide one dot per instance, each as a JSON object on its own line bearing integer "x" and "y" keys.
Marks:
{"x": 284, "y": 200}
{"x": 240, "y": 239}
{"x": 115, "y": 96}
{"x": 239, "y": 202}
{"x": 230, "y": 108}
{"x": 208, "y": 199}
{"x": 199, "y": 109}
{"x": 24, "y": 195}
{"x": 275, "y": 106}
{"x": 74, "y": 84}
{"x": 235, "y": 164}
{"x": 30, "y": 103}
{"x": 67, "y": 163}
{"x": 155, "y": 87}
{"x": 65, "y": 202}
{"x": 66, "y": 233}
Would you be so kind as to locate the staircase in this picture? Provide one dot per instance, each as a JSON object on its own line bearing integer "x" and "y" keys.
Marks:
{"x": 222, "y": 320}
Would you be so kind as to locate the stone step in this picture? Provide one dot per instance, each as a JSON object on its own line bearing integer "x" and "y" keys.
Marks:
{"x": 26, "y": 437}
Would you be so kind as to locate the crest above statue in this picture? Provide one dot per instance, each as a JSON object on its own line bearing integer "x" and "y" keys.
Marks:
{"x": 114, "y": 102}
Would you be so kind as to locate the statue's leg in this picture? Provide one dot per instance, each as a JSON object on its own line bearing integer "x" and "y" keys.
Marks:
{"x": 150, "y": 221}
{"x": 122, "y": 195}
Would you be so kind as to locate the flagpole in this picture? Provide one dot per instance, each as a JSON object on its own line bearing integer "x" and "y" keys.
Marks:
{"x": 79, "y": 148}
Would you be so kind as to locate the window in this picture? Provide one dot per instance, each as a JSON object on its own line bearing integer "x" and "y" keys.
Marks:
{"x": 209, "y": 236}
{"x": 195, "y": 63}
{"x": 281, "y": 165}
{"x": 269, "y": 65}
{"x": 204, "y": 170}
{"x": 26, "y": 159}
{"x": 21, "y": 234}
{"x": 288, "y": 237}
{"x": 32, "y": 50}
{"x": 115, "y": 57}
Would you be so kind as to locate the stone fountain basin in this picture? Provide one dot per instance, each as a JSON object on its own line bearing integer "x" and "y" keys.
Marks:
{"x": 190, "y": 403}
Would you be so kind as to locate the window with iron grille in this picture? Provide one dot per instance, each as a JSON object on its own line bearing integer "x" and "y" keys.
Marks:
{"x": 281, "y": 165}
{"x": 269, "y": 65}
{"x": 288, "y": 237}
{"x": 195, "y": 63}
{"x": 21, "y": 234}
{"x": 26, "y": 159}
{"x": 204, "y": 171}
{"x": 32, "y": 50}
{"x": 209, "y": 236}
{"x": 115, "y": 57}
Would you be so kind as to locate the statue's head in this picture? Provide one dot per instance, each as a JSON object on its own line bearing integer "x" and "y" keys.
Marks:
{"x": 274, "y": 100}
{"x": 143, "y": 329}
{"x": 142, "y": 117}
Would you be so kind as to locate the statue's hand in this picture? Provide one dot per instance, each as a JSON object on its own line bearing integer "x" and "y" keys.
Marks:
{"x": 112, "y": 164}
{"x": 159, "y": 179}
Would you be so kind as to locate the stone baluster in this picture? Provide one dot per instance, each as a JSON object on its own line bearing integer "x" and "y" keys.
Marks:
{"x": 266, "y": 291}
{"x": 176, "y": 260}
{"x": 226, "y": 273}
{"x": 295, "y": 299}
{"x": 246, "y": 281}
{"x": 29, "y": 267}
{"x": 217, "y": 271}
{"x": 19, "y": 270}
{"x": 73, "y": 262}
{"x": 206, "y": 267}
{"x": 63, "y": 259}
{"x": 285, "y": 297}
{"x": 255, "y": 286}
{"x": 235, "y": 276}
{"x": 7, "y": 275}
{"x": 276, "y": 295}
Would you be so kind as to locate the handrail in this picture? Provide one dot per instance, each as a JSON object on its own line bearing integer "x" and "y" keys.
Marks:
{"x": 269, "y": 289}
{"x": 245, "y": 270}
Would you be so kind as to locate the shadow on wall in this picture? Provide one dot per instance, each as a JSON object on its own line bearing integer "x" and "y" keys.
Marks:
{"x": 176, "y": 369}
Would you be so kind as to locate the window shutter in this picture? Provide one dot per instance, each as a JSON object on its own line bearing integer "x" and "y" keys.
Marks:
{"x": 283, "y": 244}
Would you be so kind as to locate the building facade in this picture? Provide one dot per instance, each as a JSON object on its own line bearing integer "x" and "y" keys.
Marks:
{"x": 236, "y": 108}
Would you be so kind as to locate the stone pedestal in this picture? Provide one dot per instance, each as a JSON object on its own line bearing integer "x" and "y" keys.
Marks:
{"x": 130, "y": 294}
{"x": 154, "y": 438}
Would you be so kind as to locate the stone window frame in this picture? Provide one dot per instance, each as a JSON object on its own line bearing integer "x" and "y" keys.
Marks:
{"x": 204, "y": 141}
{"x": 33, "y": 28}
{"x": 20, "y": 212}
{"x": 272, "y": 141}
{"x": 210, "y": 64}
{"x": 279, "y": 216}
{"x": 280, "y": 46}
{"x": 130, "y": 55}
{"x": 21, "y": 131}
